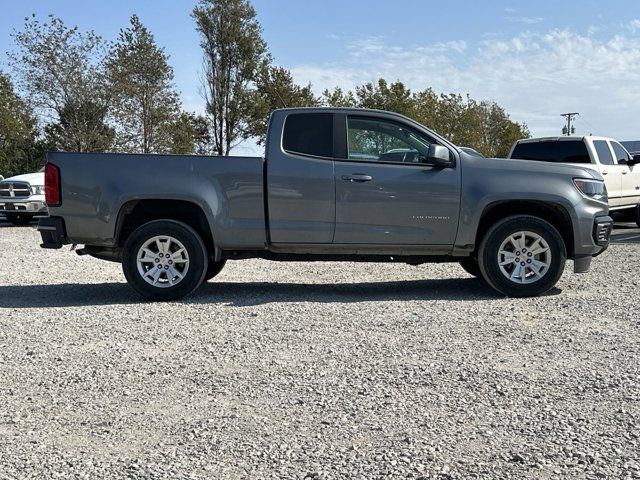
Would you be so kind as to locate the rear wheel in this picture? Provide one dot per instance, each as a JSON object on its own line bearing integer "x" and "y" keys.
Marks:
{"x": 470, "y": 265}
{"x": 214, "y": 269}
{"x": 19, "y": 219}
{"x": 164, "y": 260}
{"x": 522, "y": 256}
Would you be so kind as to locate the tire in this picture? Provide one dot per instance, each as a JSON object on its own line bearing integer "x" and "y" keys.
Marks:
{"x": 214, "y": 269}
{"x": 636, "y": 215}
{"x": 470, "y": 265}
{"x": 19, "y": 219}
{"x": 518, "y": 279}
{"x": 182, "y": 267}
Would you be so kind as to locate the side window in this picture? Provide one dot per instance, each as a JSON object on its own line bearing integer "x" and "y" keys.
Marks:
{"x": 604, "y": 154}
{"x": 372, "y": 139}
{"x": 620, "y": 152}
{"x": 309, "y": 134}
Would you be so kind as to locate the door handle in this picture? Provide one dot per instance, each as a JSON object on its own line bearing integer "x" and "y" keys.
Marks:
{"x": 357, "y": 177}
{"x": 604, "y": 172}
{"x": 624, "y": 172}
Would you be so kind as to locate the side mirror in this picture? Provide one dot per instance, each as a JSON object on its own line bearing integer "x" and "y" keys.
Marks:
{"x": 439, "y": 156}
{"x": 635, "y": 159}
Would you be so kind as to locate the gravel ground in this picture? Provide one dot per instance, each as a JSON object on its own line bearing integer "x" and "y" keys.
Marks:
{"x": 315, "y": 371}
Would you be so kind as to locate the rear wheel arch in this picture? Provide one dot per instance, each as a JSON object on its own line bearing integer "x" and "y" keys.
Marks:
{"x": 136, "y": 213}
{"x": 554, "y": 213}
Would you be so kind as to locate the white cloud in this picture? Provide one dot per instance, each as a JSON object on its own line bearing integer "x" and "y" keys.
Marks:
{"x": 526, "y": 20}
{"x": 535, "y": 76}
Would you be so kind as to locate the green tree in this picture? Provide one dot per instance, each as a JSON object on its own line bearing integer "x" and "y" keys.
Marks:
{"x": 60, "y": 70}
{"x": 234, "y": 52}
{"x": 81, "y": 128}
{"x": 338, "y": 98}
{"x": 143, "y": 100}
{"x": 19, "y": 152}
{"x": 188, "y": 134}
{"x": 274, "y": 89}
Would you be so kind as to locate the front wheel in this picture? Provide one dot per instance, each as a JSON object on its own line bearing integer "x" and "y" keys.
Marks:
{"x": 164, "y": 260}
{"x": 522, "y": 256}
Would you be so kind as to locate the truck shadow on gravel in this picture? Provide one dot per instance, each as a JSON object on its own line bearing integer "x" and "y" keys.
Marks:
{"x": 241, "y": 294}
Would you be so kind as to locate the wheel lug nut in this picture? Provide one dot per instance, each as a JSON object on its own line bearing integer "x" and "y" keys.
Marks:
{"x": 528, "y": 261}
{"x": 170, "y": 262}
{"x": 166, "y": 267}
{"x": 529, "y": 254}
{"x": 161, "y": 255}
{"x": 522, "y": 264}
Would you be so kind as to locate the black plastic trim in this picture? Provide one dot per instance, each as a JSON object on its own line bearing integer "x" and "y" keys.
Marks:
{"x": 53, "y": 232}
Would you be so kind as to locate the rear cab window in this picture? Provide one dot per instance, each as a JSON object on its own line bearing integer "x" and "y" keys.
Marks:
{"x": 562, "y": 151}
{"x": 309, "y": 134}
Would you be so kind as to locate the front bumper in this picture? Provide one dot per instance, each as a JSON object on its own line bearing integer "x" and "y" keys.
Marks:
{"x": 53, "y": 232}
{"x": 33, "y": 205}
{"x": 601, "y": 236}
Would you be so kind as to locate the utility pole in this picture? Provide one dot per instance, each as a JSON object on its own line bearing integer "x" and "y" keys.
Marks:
{"x": 568, "y": 129}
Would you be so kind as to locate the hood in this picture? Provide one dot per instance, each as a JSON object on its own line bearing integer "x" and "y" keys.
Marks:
{"x": 30, "y": 178}
{"x": 524, "y": 166}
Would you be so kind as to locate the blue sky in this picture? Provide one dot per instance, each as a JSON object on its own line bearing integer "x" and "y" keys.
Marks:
{"x": 537, "y": 59}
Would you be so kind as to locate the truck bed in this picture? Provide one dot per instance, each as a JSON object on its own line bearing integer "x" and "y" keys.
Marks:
{"x": 96, "y": 187}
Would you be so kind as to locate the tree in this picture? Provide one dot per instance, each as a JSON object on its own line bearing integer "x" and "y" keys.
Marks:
{"x": 188, "y": 134}
{"x": 233, "y": 53}
{"x": 81, "y": 128}
{"x": 275, "y": 88}
{"x": 338, "y": 98}
{"x": 484, "y": 126}
{"x": 19, "y": 150}
{"x": 143, "y": 100}
{"x": 60, "y": 70}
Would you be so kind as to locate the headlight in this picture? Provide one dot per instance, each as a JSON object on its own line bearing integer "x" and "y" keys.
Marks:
{"x": 37, "y": 189}
{"x": 595, "y": 189}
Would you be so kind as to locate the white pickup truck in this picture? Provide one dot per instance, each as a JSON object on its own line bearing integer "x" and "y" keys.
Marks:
{"x": 618, "y": 167}
{"x": 22, "y": 197}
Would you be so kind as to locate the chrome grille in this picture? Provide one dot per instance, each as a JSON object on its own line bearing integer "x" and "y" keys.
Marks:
{"x": 14, "y": 190}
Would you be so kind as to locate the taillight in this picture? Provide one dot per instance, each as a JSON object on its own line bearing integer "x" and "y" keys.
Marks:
{"x": 52, "y": 185}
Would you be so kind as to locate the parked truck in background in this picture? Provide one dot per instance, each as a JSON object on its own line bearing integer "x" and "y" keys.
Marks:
{"x": 607, "y": 156}
{"x": 22, "y": 197}
{"x": 335, "y": 185}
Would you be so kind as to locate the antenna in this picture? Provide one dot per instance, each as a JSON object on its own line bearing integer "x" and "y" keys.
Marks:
{"x": 284, "y": 104}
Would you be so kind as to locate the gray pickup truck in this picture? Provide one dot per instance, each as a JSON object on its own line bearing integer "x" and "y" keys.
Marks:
{"x": 335, "y": 185}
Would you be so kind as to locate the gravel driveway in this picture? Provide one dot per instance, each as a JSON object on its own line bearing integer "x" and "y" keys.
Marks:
{"x": 315, "y": 370}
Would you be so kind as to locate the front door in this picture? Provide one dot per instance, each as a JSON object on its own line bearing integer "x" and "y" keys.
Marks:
{"x": 630, "y": 177}
{"x": 611, "y": 172}
{"x": 386, "y": 194}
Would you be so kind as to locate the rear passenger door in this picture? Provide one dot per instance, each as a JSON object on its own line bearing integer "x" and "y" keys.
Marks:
{"x": 300, "y": 186}
{"x": 610, "y": 170}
